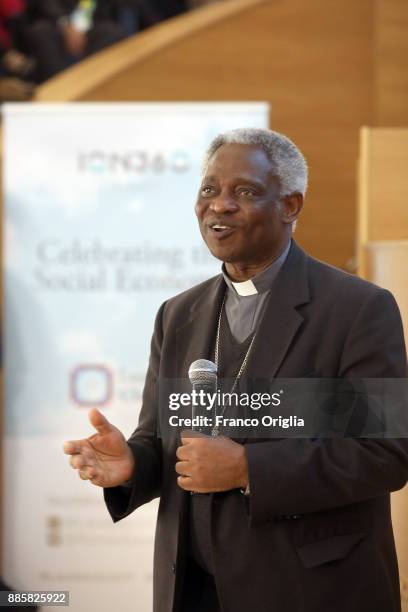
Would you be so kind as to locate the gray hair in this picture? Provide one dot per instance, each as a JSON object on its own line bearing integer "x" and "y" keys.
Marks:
{"x": 289, "y": 163}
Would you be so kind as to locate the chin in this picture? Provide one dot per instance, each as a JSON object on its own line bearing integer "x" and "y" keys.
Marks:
{"x": 219, "y": 256}
{"x": 222, "y": 255}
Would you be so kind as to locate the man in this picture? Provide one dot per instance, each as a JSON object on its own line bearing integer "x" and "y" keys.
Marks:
{"x": 285, "y": 524}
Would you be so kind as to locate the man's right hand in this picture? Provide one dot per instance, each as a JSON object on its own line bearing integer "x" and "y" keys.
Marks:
{"x": 104, "y": 458}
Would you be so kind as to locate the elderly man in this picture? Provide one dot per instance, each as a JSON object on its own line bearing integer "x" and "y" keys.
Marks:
{"x": 285, "y": 524}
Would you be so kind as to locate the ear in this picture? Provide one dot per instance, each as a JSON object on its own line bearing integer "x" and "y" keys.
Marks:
{"x": 291, "y": 205}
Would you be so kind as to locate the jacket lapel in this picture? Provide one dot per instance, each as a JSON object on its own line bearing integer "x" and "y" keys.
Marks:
{"x": 281, "y": 319}
{"x": 196, "y": 339}
{"x": 280, "y": 322}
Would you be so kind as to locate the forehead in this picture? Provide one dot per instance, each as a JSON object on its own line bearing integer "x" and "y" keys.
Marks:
{"x": 239, "y": 161}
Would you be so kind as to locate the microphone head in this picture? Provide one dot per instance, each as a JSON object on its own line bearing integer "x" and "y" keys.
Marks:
{"x": 203, "y": 371}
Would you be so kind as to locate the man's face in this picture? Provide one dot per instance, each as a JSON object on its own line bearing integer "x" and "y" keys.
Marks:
{"x": 238, "y": 210}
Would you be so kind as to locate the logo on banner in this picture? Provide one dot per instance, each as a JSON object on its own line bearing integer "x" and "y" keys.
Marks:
{"x": 134, "y": 162}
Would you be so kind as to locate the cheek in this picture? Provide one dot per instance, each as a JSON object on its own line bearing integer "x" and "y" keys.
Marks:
{"x": 258, "y": 220}
{"x": 265, "y": 216}
{"x": 263, "y": 227}
{"x": 199, "y": 210}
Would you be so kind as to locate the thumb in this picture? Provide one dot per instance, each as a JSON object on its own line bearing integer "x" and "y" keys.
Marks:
{"x": 100, "y": 422}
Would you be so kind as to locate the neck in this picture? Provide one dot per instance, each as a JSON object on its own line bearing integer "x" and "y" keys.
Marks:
{"x": 239, "y": 272}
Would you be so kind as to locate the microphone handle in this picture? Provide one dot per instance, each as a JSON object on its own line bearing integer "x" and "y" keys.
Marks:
{"x": 201, "y": 409}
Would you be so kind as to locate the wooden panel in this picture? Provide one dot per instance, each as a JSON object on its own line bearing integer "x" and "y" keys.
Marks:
{"x": 387, "y": 265}
{"x": 399, "y": 511}
{"x": 97, "y": 71}
{"x": 383, "y": 210}
{"x": 391, "y": 56}
{"x": 305, "y": 57}
{"x": 388, "y": 184}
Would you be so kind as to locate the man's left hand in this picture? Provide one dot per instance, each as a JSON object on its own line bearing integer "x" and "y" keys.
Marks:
{"x": 210, "y": 464}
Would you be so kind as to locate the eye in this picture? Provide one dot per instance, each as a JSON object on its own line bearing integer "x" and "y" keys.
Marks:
{"x": 248, "y": 194}
{"x": 206, "y": 190}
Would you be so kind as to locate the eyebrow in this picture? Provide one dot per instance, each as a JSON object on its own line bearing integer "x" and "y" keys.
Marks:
{"x": 237, "y": 180}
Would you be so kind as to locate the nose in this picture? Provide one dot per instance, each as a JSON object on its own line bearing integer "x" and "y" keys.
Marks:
{"x": 223, "y": 203}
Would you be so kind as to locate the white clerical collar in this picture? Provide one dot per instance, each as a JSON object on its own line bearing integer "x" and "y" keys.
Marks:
{"x": 261, "y": 282}
{"x": 245, "y": 288}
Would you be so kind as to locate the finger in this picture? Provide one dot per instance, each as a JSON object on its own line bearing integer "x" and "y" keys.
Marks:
{"x": 100, "y": 422}
{"x": 182, "y": 467}
{"x": 182, "y": 453}
{"x": 81, "y": 461}
{"x": 77, "y": 462}
{"x": 72, "y": 447}
{"x": 97, "y": 481}
{"x": 87, "y": 473}
{"x": 185, "y": 482}
{"x": 185, "y": 441}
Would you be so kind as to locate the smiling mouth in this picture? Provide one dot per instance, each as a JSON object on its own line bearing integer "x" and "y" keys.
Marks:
{"x": 221, "y": 231}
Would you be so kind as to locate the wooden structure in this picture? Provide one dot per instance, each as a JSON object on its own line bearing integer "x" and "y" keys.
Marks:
{"x": 383, "y": 257}
{"x": 383, "y": 193}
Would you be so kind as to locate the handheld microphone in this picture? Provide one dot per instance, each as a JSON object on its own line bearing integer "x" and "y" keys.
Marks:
{"x": 203, "y": 377}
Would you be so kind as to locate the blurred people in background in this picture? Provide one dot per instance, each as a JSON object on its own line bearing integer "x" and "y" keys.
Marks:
{"x": 197, "y": 3}
{"x": 40, "y": 38}
{"x": 16, "y": 68}
{"x": 64, "y": 31}
{"x": 136, "y": 15}
{"x": 169, "y": 8}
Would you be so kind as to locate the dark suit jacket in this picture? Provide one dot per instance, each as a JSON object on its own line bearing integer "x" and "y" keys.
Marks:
{"x": 333, "y": 550}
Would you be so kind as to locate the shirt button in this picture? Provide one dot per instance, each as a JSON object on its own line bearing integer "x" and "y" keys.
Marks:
{"x": 173, "y": 568}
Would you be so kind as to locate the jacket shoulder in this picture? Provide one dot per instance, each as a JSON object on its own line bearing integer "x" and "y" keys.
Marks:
{"x": 327, "y": 280}
{"x": 191, "y": 295}
{"x": 177, "y": 308}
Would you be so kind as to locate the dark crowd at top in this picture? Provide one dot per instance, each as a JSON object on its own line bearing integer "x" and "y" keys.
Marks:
{"x": 40, "y": 38}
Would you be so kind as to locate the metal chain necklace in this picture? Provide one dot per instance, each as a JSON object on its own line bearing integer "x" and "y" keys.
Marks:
{"x": 215, "y": 429}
